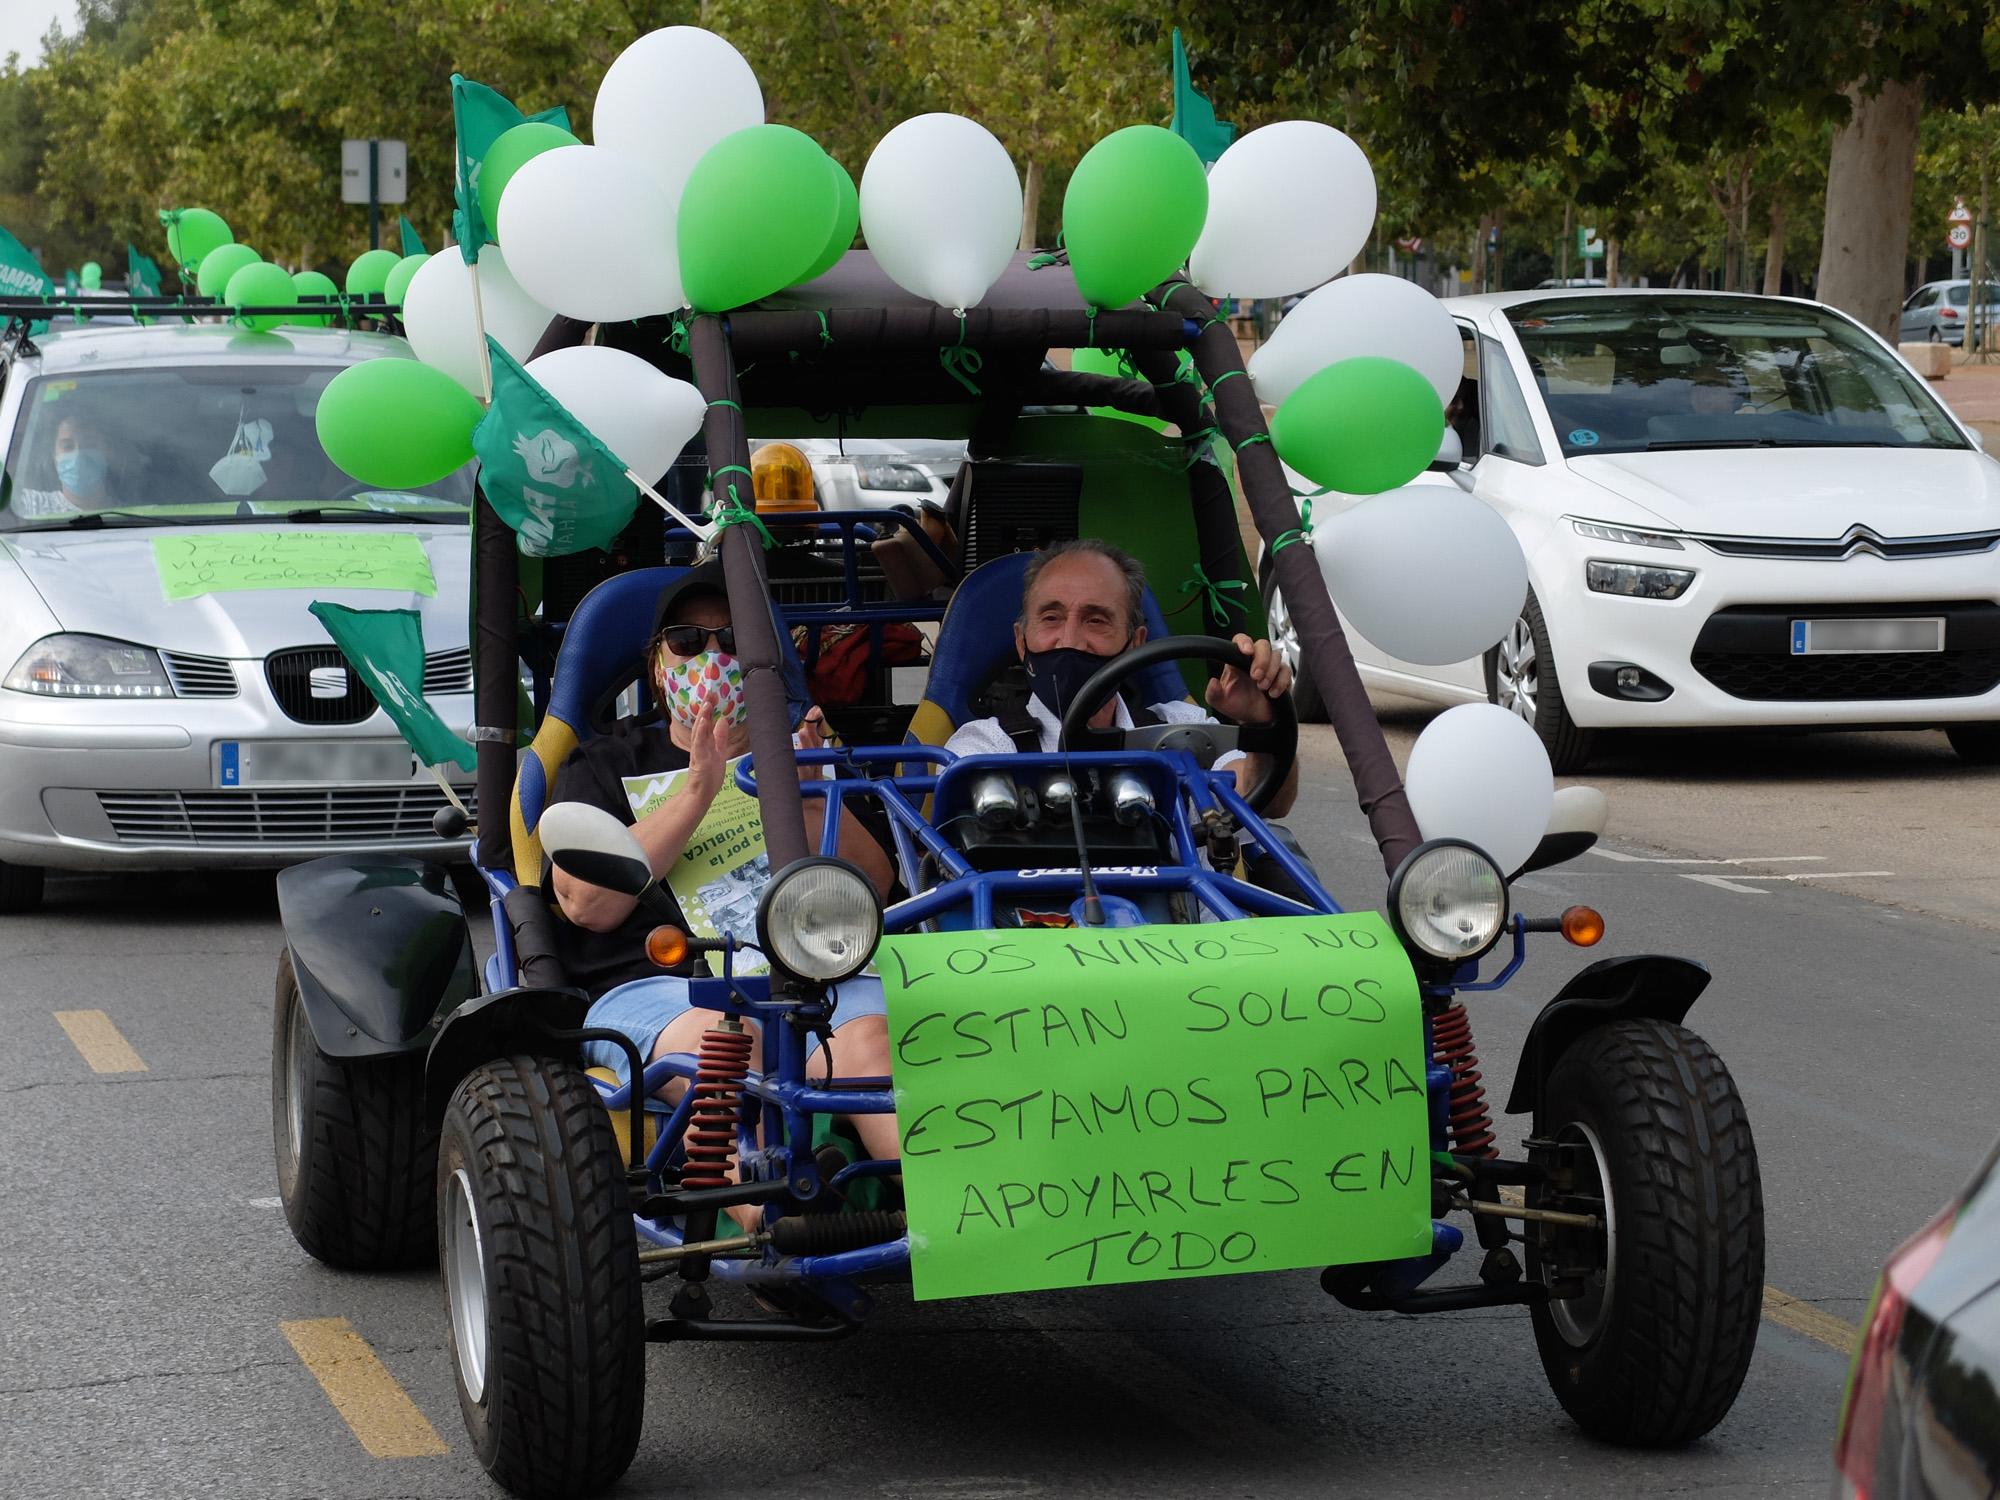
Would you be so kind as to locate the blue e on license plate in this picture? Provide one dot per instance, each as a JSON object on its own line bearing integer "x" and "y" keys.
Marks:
{"x": 306, "y": 762}
{"x": 1850, "y": 637}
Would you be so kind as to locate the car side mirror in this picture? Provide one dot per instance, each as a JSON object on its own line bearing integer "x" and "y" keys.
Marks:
{"x": 1575, "y": 823}
{"x": 1450, "y": 454}
{"x": 591, "y": 845}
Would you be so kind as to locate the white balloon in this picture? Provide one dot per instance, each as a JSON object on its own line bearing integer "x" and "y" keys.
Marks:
{"x": 1479, "y": 773}
{"x": 590, "y": 235}
{"x": 643, "y": 415}
{"x": 438, "y": 315}
{"x": 670, "y": 96}
{"x": 1366, "y": 314}
{"x": 1288, "y": 207}
{"x": 1428, "y": 573}
{"x": 941, "y": 208}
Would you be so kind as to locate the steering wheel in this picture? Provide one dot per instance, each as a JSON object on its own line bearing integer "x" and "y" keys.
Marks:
{"x": 1279, "y": 739}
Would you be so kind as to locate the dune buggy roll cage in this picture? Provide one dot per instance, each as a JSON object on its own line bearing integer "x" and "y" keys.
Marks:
{"x": 857, "y": 310}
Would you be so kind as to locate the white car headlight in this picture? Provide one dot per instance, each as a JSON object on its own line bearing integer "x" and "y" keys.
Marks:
{"x": 89, "y": 666}
{"x": 1599, "y": 531}
{"x": 1636, "y": 580}
{"x": 820, "y": 920}
{"x": 880, "y": 474}
{"x": 1449, "y": 901}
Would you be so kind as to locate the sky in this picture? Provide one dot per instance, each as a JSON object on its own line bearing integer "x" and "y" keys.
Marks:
{"x": 23, "y": 23}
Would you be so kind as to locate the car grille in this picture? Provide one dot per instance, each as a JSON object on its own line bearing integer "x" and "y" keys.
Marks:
{"x": 334, "y": 815}
{"x": 199, "y": 676}
{"x": 1859, "y": 541}
{"x": 448, "y": 672}
{"x": 290, "y": 676}
{"x": 1746, "y": 652}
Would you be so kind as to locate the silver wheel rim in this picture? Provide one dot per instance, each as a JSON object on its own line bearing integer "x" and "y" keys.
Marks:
{"x": 1284, "y": 634}
{"x": 1580, "y": 1319}
{"x": 1516, "y": 670}
{"x": 465, "y": 1284}
{"x": 295, "y": 1067}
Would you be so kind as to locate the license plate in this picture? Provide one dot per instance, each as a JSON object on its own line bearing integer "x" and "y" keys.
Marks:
{"x": 295, "y": 762}
{"x": 1866, "y": 637}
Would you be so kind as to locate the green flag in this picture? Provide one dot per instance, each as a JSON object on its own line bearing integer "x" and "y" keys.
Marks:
{"x": 142, "y": 276}
{"x": 480, "y": 115}
{"x": 413, "y": 243}
{"x": 1194, "y": 116}
{"x": 72, "y": 286}
{"x": 386, "y": 649}
{"x": 543, "y": 472}
{"x": 21, "y": 275}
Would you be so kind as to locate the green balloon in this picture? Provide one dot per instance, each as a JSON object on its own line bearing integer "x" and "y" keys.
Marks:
{"x": 1360, "y": 426}
{"x": 757, "y": 212}
{"x": 510, "y": 150}
{"x": 370, "y": 272}
{"x": 846, "y": 219}
{"x": 318, "y": 286}
{"x": 221, "y": 263}
{"x": 398, "y": 282}
{"x": 396, "y": 424}
{"x": 1132, "y": 212}
{"x": 192, "y": 233}
{"x": 261, "y": 285}
{"x": 1111, "y": 362}
{"x": 92, "y": 276}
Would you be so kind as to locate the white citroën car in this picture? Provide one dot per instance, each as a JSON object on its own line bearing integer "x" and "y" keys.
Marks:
{"x": 166, "y": 518}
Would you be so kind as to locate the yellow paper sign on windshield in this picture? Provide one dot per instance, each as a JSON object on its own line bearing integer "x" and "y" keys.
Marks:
{"x": 1084, "y": 1107}
{"x": 228, "y": 561}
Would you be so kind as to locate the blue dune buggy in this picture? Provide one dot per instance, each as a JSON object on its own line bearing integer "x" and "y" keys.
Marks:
{"x": 427, "y": 1102}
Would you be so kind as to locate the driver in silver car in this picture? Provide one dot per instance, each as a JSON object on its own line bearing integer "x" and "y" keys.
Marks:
{"x": 1082, "y": 603}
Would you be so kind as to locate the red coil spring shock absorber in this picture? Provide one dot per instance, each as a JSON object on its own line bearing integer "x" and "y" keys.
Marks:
{"x": 721, "y": 1065}
{"x": 1471, "y": 1120}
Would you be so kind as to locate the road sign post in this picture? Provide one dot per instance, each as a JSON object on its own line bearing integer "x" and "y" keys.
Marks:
{"x": 374, "y": 172}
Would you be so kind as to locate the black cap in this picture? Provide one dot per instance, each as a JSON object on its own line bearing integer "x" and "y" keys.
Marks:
{"x": 707, "y": 578}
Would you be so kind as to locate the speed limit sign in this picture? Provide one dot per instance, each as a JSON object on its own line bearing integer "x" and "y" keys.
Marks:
{"x": 1959, "y": 236}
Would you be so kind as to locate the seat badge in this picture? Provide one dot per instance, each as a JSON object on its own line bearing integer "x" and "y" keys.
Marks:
{"x": 327, "y": 682}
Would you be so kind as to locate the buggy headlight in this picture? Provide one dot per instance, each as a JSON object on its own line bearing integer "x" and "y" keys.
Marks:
{"x": 820, "y": 920}
{"x": 1448, "y": 900}
{"x": 89, "y": 666}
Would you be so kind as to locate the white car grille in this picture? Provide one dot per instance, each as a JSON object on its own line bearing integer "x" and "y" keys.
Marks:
{"x": 249, "y": 817}
{"x": 199, "y": 676}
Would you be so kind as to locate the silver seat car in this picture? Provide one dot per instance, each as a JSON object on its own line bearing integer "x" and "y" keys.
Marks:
{"x": 167, "y": 517}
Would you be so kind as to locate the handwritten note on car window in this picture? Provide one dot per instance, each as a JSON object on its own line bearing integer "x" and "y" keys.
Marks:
{"x": 228, "y": 561}
{"x": 1149, "y": 1103}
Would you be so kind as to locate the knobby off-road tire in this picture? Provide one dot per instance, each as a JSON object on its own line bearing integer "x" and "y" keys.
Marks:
{"x": 357, "y": 1163}
{"x": 20, "y": 888}
{"x": 1655, "y": 1354}
{"x": 541, "y": 1278}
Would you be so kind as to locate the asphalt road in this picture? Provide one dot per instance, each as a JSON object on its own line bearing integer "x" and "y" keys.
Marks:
{"x": 148, "y": 1283}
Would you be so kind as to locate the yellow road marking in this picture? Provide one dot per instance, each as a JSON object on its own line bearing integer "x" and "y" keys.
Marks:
{"x": 1788, "y": 1311}
{"x": 377, "y": 1409}
{"x": 1781, "y": 1308}
{"x": 100, "y": 1042}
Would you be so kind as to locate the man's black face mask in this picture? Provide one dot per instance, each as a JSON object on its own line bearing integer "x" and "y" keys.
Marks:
{"x": 1057, "y": 676}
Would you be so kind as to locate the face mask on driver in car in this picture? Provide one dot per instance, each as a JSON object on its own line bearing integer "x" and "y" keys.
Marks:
{"x": 1056, "y": 676}
{"x": 691, "y": 688}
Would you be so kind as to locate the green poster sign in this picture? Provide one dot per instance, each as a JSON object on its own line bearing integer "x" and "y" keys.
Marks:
{"x": 228, "y": 561}
{"x": 1081, "y": 1107}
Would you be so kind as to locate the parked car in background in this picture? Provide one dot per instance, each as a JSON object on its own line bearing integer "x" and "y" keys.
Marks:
{"x": 877, "y": 474}
{"x": 1736, "y": 511}
{"x": 1921, "y": 1418}
{"x": 1939, "y": 312}
{"x": 166, "y": 518}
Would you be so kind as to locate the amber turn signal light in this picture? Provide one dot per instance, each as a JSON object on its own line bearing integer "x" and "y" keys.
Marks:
{"x": 1580, "y": 925}
{"x": 667, "y": 947}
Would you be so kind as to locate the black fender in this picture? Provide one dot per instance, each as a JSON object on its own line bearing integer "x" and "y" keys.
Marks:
{"x": 1652, "y": 986}
{"x": 502, "y": 1024}
{"x": 379, "y": 948}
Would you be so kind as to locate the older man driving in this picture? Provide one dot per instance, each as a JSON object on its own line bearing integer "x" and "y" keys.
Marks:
{"x": 1082, "y": 603}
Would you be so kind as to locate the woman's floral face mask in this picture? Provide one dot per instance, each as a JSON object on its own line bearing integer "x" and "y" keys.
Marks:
{"x": 692, "y": 688}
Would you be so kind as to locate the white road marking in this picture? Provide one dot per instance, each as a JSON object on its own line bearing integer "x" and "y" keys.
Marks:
{"x": 267, "y": 1202}
{"x": 1734, "y": 882}
{"x": 1748, "y": 859}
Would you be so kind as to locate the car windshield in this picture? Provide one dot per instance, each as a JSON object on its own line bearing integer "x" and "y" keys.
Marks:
{"x": 189, "y": 445}
{"x": 1643, "y": 374}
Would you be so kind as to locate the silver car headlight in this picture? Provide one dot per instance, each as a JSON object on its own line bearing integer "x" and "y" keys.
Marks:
{"x": 820, "y": 920}
{"x": 89, "y": 666}
{"x": 1636, "y": 581}
{"x": 878, "y": 474}
{"x": 1630, "y": 536}
{"x": 1448, "y": 901}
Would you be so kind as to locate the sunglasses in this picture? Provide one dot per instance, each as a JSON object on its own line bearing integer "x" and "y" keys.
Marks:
{"x": 687, "y": 640}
